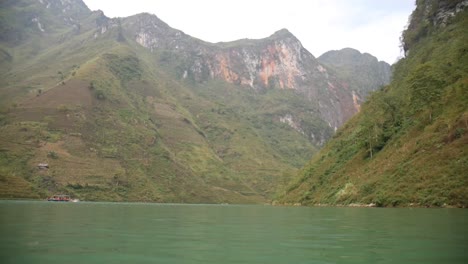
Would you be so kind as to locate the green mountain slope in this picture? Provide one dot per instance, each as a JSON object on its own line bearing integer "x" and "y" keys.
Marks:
{"x": 113, "y": 123}
{"x": 408, "y": 145}
{"x": 129, "y": 109}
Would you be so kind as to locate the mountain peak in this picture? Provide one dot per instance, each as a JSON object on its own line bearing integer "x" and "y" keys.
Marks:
{"x": 75, "y": 8}
{"x": 149, "y": 19}
{"x": 283, "y": 33}
{"x": 348, "y": 54}
{"x": 344, "y": 51}
{"x": 351, "y": 63}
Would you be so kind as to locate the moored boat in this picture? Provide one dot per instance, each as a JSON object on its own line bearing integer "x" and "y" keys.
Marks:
{"x": 60, "y": 198}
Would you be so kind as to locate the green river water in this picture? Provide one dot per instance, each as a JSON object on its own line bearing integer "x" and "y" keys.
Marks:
{"x": 48, "y": 232}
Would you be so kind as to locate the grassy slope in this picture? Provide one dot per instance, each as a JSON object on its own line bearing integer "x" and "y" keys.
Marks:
{"x": 113, "y": 124}
{"x": 419, "y": 147}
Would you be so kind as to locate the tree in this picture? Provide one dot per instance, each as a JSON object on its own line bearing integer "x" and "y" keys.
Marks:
{"x": 381, "y": 119}
{"x": 372, "y": 123}
{"x": 426, "y": 87}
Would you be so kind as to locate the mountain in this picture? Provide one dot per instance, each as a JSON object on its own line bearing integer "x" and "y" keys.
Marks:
{"x": 279, "y": 61}
{"x": 363, "y": 72}
{"x": 408, "y": 145}
{"x": 130, "y": 109}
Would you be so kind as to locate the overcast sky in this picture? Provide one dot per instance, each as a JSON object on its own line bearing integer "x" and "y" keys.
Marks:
{"x": 372, "y": 26}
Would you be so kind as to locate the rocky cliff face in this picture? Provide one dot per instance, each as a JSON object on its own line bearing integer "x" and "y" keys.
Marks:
{"x": 444, "y": 10}
{"x": 428, "y": 16}
{"x": 277, "y": 62}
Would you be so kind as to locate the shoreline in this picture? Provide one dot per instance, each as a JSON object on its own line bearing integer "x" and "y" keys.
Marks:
{"x": 274, "y": 203}
{"x": 370, "y": 205}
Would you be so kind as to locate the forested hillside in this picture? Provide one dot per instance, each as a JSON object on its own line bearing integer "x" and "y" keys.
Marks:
{"x": 409, "y": 143}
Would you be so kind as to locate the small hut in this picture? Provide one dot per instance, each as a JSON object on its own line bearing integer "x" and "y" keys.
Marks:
{"x": 43, "y": 166}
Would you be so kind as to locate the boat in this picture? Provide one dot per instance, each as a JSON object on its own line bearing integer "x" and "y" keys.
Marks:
{"x": 61, "y": 198}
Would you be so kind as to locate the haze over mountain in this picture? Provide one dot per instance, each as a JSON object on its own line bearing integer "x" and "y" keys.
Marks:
{"x": 132, "y": 109}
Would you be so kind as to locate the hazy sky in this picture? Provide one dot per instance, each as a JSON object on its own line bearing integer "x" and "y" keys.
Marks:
{"x": 372, "y": 26}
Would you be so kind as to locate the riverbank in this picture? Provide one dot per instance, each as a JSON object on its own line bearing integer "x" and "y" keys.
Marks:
{"x": 410, "y": 205}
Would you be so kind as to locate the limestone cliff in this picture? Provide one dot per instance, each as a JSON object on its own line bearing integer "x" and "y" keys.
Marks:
{"x": 277, "y": 62}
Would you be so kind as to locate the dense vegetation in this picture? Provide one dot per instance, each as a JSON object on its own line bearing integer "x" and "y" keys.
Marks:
{"x": 119, "y": 128}
{"x": 408, "y": 145}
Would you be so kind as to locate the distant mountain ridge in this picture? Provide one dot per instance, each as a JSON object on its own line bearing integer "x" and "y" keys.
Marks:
{"x": 362, "y": 71}
{"x": 132, "y": 109}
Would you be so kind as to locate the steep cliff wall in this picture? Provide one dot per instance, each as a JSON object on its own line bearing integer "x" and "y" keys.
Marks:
{"x": 277, "y": 62}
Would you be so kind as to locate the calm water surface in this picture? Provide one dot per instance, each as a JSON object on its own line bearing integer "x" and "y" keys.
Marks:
{"x": 47, "y": 232}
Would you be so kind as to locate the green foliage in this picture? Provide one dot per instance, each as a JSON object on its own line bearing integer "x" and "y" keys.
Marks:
{"x": 385, "y": 121}
{"x": 423, "y": 20}
{"x": 100, "y": 95}
{"x": 52, "y": 155}
{"x": 426, "y": 86}
{"x": 126, "y": 68}
{"x": 407, "y": 146}
{"x": 418, "y": 27}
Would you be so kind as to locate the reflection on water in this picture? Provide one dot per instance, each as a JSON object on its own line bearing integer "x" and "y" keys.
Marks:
{"x": 41, "y": 232}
